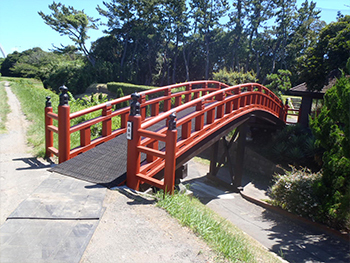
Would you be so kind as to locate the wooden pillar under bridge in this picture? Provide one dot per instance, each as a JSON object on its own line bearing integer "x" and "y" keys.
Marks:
{"x": 235, "y": 164}
{"x": 239, "y": 159}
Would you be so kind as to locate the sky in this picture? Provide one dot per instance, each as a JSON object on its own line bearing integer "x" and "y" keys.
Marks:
{"x": 21, "y": 27}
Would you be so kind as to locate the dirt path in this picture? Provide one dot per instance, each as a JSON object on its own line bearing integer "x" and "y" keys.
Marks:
{"x": 17, "y": 178}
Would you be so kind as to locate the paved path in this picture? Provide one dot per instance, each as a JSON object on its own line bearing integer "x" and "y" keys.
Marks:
{"x": 292, "y": 241}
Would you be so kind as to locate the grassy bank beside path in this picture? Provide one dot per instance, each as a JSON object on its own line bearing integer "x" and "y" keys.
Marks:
{"x": 31, "y": 94}
{"x": 229, "y": 242}
{"x": 4, "y": 107}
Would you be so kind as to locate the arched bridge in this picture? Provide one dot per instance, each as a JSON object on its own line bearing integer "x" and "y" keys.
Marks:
{"x": 161, "y": 130}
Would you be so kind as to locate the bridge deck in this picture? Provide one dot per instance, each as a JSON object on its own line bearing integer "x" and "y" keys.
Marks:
{"x": 105, "y": 164}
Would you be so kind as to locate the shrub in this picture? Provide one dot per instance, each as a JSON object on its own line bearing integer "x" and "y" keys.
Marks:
{"x": 296, "y": 192}
{"x": 291, "y": 145}
{"x": 126, "y": 88}
{"x": 234, "y": 77}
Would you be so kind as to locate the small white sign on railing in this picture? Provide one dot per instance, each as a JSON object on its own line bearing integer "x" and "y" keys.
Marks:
{"x": 129, "y": 130}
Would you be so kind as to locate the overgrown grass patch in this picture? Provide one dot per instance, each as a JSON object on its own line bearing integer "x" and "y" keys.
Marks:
{"x": 4, "y": 107}
{"x": 223, "y": 237}
{"x": 31, "y": 95}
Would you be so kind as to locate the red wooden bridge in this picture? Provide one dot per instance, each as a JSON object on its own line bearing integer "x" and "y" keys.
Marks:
{"x": 161, "y": 130}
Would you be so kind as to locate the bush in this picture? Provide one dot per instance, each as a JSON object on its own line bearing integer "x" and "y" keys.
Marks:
{"x": 296, "y": 192}
{"x": 126, "y": 88}
{"x": 234, "y": 77}
{"x": 72, "y": 74}
{"x": 293, "y": 145}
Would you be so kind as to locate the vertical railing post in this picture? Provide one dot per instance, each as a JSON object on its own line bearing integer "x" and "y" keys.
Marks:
{"x": 237, "y": 105}
{"x": 155, "y": 109}
{"x": 199, "y": 121}
{"x": 63, "y": 126}
{"x": 134, "y": 140}
{"x": 48, "y": 133}
{"x": 284, "y": 111}
{"x": 220, "y": 111}
{"x": 170, "y": 155}
{"x": 167, "y": 101}
{"x": 205, "y": 92}
{"x": 259, "y": 97}
{"x": 143, "y": 110}
{"x": 107, "y": 124}
{"x": 188, "y": 97}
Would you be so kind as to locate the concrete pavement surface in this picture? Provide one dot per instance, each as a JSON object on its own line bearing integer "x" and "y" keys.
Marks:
{"x": 293, "y": 241}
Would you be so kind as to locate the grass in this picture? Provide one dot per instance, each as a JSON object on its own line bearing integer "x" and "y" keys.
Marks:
{"x": 31, "y": 94}
{"x": 224, "y": 238}
{"x": 4, "y": 108}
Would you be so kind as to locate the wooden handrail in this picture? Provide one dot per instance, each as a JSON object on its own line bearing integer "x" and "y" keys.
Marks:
{"x": 88, "y": 143}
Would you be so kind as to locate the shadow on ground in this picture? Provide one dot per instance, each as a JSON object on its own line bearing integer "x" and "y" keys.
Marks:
{"x": 34, "y": 163}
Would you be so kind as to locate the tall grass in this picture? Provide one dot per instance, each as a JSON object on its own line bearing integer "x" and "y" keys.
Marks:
{"x": 223, "y": 237}
{"x": 31, "y": 95}
{"x": 4, "y": 108}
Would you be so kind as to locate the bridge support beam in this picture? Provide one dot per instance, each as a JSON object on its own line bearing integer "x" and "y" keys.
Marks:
{"x": 236, "y": 163}
{"x": 239, "y": 160}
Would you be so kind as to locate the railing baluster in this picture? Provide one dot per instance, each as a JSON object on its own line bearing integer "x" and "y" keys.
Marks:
{"x": 85, "y": 136}
{"x": 155, "y": 109}
{"x": 48, "y": 133}
{"x": 188, "y": 96}
{"x": 107, "y": 124}
{"x": 220, "y": 112}
{"x": 167, "y": 102}
{"x": 199, "y": 122}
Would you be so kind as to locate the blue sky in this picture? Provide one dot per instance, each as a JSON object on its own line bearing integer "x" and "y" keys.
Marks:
{"x": 21, "y": 27}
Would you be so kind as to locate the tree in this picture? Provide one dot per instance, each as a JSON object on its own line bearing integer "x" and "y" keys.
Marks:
{"x": 306, "y": 26}
{"x": 206, "y": 15}
{"x": 332, "y": 131}
{"x": 279, "y": 82}
{"x": 330, "y": 52}
{"x": 73, "y": 23}
{"x": 236, "y": 26}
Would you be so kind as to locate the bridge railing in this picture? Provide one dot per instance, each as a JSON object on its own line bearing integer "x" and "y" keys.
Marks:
{"x": 151, "y": 101}
{"x": 219, "y": 107}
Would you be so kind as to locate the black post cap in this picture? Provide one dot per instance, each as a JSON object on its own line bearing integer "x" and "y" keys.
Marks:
{"x": 172, "y": 121}
{"x": 48, "y": 101}
{"x": 135, "y": 104}
{"x": 63, "y": 96}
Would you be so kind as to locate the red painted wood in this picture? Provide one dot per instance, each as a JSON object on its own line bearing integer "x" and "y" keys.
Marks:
{"x": 48, "y": 132}
{"x": 63, "y": 133}
{"x": 133, "y": 155}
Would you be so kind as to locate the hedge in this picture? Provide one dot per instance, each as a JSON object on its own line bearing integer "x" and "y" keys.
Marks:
{"x": 127, "y": 88}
